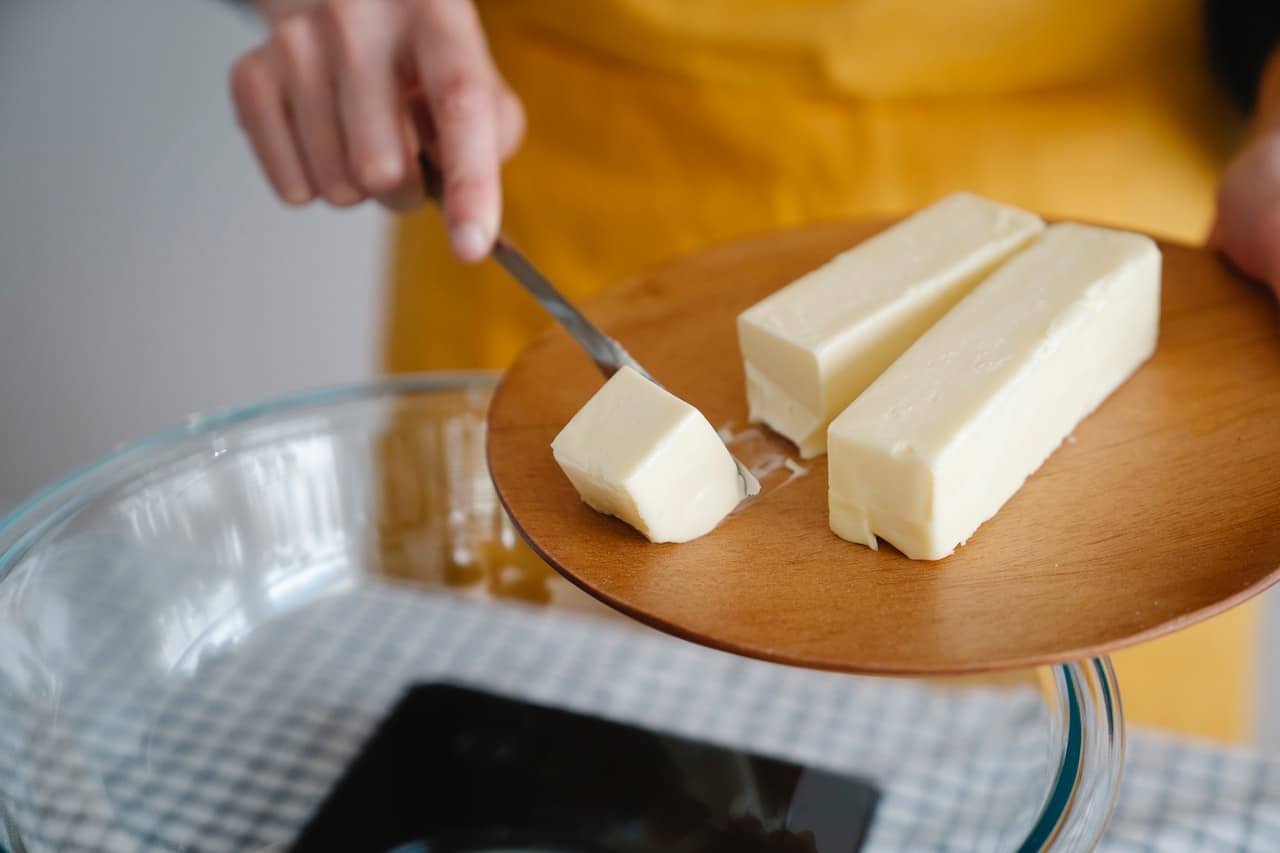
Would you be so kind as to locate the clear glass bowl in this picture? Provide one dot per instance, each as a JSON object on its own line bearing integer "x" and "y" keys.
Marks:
{"x": 198, "y": 633}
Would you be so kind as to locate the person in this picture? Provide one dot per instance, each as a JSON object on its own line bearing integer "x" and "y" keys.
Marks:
{"x": 606, "y": 136}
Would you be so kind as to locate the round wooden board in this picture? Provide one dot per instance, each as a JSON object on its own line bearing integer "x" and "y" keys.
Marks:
{"x": 1163, "y": 509}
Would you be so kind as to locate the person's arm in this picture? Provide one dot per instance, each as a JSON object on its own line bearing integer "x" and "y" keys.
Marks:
{"x": 339, "y": 99}
{"x": 1244, "y": 48}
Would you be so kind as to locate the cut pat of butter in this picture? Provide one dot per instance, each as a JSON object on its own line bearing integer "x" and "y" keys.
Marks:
{"x": 638, "y": 452}
{"x": 809, "y": 349}
{"x": 947, "y": 434}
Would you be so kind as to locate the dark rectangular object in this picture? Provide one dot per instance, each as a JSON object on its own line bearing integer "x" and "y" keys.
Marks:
{"x": 453, "y": 769}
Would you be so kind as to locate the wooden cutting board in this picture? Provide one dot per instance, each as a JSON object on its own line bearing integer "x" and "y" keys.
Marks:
{"x": 1163, "y": 508}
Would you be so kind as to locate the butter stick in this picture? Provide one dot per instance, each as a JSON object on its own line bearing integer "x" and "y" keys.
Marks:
{"x": 937, "y": 444}
{"x": 810, "y": 348}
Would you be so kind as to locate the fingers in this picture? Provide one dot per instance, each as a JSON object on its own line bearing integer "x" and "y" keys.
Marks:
{"x": 326, "y": 105}
{"x": 260, "y": 108}
{"x": 1251, "y": 241}
{"x": 460, "y": 86}
{"x": 364, "y": 35}
{"x": 466, "y": 130}
{"x": 511, "y": 121}
{"x": 1267, "y": 237}
{"x": 1247, "y": 226}
{"x": 300, "y": 50}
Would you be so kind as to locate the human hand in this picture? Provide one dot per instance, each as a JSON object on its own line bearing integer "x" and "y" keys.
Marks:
{"x": 339, "y": 99}
{"x": 1247, "y": 228}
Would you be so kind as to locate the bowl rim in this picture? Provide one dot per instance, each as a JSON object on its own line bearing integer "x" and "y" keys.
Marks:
{"x": 31, "y": 517}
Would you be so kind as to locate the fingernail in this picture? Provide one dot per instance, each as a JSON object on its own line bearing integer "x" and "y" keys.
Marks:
{"x": 344, "y": 194}
{"x": 469, "y": 241}
{"x": 297, "y": 195}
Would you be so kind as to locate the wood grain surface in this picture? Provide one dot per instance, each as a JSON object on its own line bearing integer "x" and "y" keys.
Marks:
{"x": 1161, "y": 510}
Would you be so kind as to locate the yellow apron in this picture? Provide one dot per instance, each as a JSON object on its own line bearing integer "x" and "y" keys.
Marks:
{"x": 659, "y": 127}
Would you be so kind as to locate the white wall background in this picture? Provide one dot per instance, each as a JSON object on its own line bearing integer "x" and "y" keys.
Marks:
{"x": 145, "y": 270}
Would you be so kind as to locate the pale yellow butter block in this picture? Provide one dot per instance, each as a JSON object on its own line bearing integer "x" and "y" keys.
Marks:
{"x": 954, "y": 427}
{"x": 810, "y": 348}
{"x": 638, "y": 452}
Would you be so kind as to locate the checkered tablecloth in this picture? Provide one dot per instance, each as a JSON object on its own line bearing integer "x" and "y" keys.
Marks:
{"x": 231, "y": 747}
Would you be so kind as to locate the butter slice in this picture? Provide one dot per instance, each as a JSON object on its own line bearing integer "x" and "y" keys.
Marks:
{"x": 948, "y": 433}
{"x": 812, "y": 347}
{"x": 638, "y": 452}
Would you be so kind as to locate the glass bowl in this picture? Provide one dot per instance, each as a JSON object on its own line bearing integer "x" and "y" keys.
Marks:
{"x": 198, "y": 633}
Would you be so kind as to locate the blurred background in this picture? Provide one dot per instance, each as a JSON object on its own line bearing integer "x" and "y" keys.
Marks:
{"x": 146, "y": 272}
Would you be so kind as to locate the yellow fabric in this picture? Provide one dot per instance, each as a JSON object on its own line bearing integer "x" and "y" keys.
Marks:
{"x": 658, "y": 127}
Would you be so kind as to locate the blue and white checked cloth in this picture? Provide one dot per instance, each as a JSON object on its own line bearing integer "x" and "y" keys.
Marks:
{"x": 237, "y": 754}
